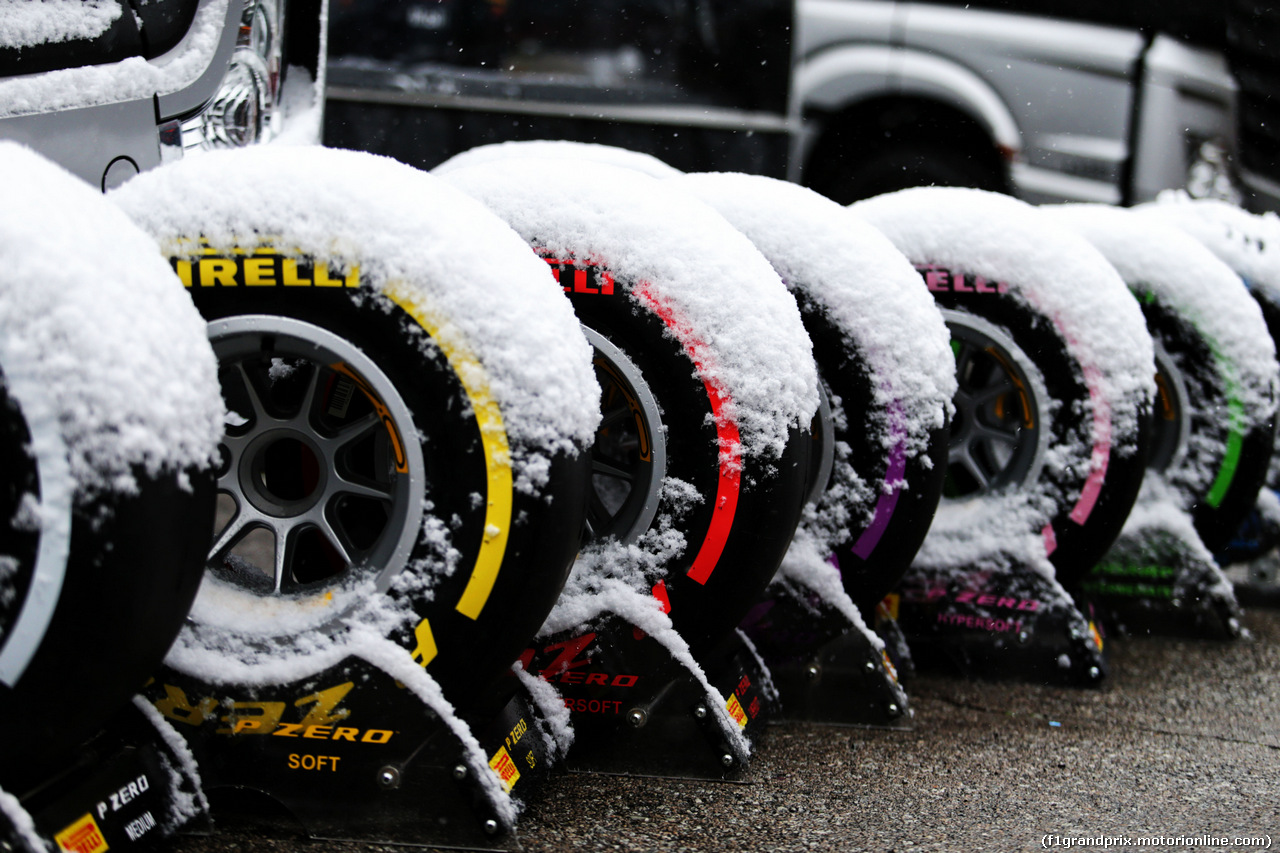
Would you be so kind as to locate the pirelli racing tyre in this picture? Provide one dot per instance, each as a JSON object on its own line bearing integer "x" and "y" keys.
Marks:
{"x": 699, "y": 325}
{"x": 1054, "y": 367}
{"x": 410, "y": 400}
{"x": 1250, "y": 246}
{"x": 1216, "y": 370}
{"x": 109, "y": 421}
{"x": 882, "y": 352}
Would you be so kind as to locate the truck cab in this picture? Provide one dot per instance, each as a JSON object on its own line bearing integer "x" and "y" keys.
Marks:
{"x": 1050, "y": 100}
{"x": 1086, "y": 100}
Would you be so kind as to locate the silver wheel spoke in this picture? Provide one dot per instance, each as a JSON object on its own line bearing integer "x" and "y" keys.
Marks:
{"x": 979, "y": 473}
{"x": 599, "y": 467}
{"x": 260, "y": 415}
{"x": 991, "y": 433}
{"x": 335, "y": 541}
{"x": 613, "y": 416}
{"x": 236, "y": 527}
{"x": 963, "y": 358}
{"x": 343, "y": 487}
{"x": 279, "y": 568}
{"x": 302, "y": 420}
{"x": 983, "y": 396}
{"x": 352, "y": 432}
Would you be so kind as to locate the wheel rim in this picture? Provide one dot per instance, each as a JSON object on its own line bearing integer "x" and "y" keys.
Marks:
{"x": 34, "y": 460}
{"x": 1171, "y": 427}
{"x": 629, "y": 456}
{"x": 1000, "y": 432}
{"x": 823, "y": 458}
{"x": 317, "y": 487}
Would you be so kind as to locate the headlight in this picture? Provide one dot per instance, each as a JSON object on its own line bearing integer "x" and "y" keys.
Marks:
{"x": 244, "y": 110}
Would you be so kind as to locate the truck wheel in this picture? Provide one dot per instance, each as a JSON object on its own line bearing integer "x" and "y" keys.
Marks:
{"x": 911, "y": 166}
{"x": 875, "y": 500}
{"x": 389, "y": 461}
{"x": 1053, "y": 365}
{"x": 109, "y": 416}
{"x": 666, "y": 282}
{"x": 890, "y": 146}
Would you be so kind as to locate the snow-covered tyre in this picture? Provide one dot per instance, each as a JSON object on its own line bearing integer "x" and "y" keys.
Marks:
{"x": 559, "y": 149}
{"x": 410, "y": 399}
{"x": 1249, "y": 245}
{"x": 109, "y": 420}
{"x": 1216, "y": 374}
{"x": 881, "y": 349}
{"x": 1053, "y": 364}
{"x": 699, "y": 323}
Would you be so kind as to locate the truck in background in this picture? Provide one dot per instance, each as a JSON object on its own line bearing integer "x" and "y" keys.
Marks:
{"x": 1046, "y": 99}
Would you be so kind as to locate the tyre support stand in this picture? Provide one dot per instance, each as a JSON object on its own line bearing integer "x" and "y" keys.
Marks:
{"x": 361, "y": 752}
{"x": 128, "y": 788}
{"x": 1159, "y": 579}
{"x": 826, "y": 668}
{"x": 638, "y": 708}
{"x": 1001, "y": 620}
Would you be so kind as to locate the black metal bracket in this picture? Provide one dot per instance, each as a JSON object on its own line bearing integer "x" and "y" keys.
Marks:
{"x": 826, "y": 667}
{"x": 352, "y": 753}
{"x": 1003, "y": 620}
{"x": 1160, "y": 579}
{"x": 639, "y": 708}
{"x": 127, "y": 788}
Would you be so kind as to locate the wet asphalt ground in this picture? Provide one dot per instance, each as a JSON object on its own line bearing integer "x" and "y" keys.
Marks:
{"x": 1183, "y": 740}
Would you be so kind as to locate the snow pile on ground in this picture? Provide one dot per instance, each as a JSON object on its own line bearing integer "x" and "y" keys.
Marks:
{"x": 664, "y": 245}
{"x": 93, "y": 321}
{"x": 109, "y": 83}
{"x": 490, "y": 295}
{"x": 559, "y": 149}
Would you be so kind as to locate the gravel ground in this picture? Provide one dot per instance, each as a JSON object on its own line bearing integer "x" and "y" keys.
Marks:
{"x": 1183, "y": 740}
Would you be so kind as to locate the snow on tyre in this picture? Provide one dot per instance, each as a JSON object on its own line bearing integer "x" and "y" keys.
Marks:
{"x": 109, "y": 423}
{"x": 410, "y": 398}
{"x": 1216, "y": 371}
{"x": 1250, "y": 245}
{"x": 559, "y": 149}
{"x": 1054, "y": 367}
{"x": 882, "y": 354}
{"x": 706, "y": 361}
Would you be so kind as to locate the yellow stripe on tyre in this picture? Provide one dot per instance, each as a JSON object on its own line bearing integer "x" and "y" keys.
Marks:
{"x": 497, "y": 453}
